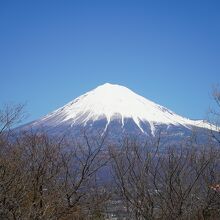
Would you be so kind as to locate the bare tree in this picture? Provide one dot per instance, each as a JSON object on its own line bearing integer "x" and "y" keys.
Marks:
{"x": 80, "y": 167}
{"x": 132, "y": 166}
{"x": 214, "y": 115}
{"x": 29, "y": 171}
{"x": 44, "y": 178}
{"x": 179, "y": 183}
{"x": 10, "y": 115}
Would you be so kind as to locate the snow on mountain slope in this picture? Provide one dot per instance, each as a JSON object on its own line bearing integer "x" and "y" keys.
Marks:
{"x": 111, "y": 102}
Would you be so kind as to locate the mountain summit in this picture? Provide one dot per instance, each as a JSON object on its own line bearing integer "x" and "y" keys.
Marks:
{"x": 117, "y": 109}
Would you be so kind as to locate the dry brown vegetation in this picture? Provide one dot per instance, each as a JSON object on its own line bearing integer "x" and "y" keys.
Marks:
{"x": 181, "y": 184}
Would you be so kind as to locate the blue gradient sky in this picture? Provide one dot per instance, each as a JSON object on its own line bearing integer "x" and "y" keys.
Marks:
{"x": 53, "y": 51}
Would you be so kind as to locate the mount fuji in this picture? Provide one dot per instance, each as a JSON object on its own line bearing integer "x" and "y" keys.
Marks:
{"x": 117, "y": 111}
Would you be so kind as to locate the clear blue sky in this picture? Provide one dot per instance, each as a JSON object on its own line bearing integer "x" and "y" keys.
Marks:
{"x": 53, "y": 51}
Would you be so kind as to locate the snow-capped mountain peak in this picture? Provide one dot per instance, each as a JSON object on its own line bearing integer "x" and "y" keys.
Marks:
{"x": 110, "y": 102}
